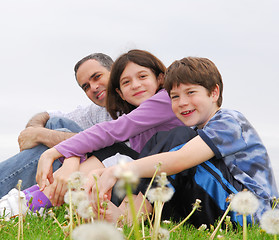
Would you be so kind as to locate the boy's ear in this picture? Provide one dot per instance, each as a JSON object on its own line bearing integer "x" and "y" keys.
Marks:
{"x": 215, "y": 93}
{"x": 120, "y": 94}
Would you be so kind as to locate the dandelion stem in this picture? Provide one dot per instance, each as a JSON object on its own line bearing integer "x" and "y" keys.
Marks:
{"x": 144, "y": 197}
{"x": 71, "y": 213}
{"x": 98, "y": 197}
{"x": 244, "y": 227}
{"x": 220, "y": 222}
{"x": 185, "y": 219}
{"x": 133, "y": 211}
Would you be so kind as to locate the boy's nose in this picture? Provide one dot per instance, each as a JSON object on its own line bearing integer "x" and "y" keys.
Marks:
{"x": 183, "y": 100}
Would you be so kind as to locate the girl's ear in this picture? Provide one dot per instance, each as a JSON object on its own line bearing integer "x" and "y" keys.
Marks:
{"x": 160, "y": 79}
{"x": 215, "y": 93}
{"x": 120, "y": 94}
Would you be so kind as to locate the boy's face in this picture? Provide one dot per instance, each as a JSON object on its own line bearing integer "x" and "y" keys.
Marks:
{"x": 193, "y": 105}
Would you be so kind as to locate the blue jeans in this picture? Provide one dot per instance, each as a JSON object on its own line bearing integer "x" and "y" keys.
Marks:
{"x": 24, "y": 164}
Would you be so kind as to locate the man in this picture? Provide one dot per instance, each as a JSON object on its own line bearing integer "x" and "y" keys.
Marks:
{"x": 47, "y": 129}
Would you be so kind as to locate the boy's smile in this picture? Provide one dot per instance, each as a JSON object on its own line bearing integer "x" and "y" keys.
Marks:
{"x": 193, "y": 105}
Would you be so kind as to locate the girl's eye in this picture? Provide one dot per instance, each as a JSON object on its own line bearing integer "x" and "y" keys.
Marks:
{"x": 125, "y": 82}
{"x": 143, "y": 76}
{"x": 190, "y": 92}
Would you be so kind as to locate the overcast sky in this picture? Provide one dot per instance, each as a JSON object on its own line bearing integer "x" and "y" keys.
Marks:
{"x": 41, "y": 40}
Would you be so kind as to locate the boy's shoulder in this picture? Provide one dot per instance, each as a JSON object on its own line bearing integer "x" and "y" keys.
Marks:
{"x": 224, "y": 115}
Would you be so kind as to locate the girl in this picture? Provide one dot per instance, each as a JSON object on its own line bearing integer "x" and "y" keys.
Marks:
{"x": 140, "y": 107}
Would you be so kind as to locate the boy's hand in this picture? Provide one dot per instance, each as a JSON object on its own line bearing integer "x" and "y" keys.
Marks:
{"x": 59, "y": 186}
{"x": 44, "y": 169}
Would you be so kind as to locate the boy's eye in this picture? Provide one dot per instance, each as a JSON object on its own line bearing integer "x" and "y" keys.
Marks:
{"x": 190, "y": 92}
{"x": 174, "y": 96}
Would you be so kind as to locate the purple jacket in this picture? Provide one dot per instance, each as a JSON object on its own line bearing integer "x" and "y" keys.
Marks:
{"x": 153, "y": 115}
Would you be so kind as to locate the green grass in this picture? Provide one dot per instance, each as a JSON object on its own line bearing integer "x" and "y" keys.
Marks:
{"x": 37, "y": 227}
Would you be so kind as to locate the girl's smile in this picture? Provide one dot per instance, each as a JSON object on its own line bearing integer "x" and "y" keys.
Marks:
{"x": 137, "y": 84}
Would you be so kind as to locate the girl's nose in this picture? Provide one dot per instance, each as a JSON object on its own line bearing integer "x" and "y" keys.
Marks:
{"x": 135, "y": 84}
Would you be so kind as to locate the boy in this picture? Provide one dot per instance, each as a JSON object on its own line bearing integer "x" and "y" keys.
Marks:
{"x": 222, "y": 155}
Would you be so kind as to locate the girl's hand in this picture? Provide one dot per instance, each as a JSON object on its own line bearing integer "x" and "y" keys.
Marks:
{"x": 90, "y": 186}
{"x": 106, "y": 181}
{"x": 44, "y": 169}
{"x": 59, "y": 186}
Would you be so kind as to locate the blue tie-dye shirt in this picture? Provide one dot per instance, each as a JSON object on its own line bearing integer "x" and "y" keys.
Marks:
{"x": 233, "y": 139}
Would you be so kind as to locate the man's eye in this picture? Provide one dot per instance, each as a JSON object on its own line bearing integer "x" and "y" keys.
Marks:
{"x": 85, "y": 88}
{"x": 97, "y": 76}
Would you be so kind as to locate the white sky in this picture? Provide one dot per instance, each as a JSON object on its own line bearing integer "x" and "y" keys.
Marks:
{"x": 41, "y": 40}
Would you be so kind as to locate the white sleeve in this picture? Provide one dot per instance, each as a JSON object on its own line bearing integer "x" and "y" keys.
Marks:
{"x": 84, "y": 116}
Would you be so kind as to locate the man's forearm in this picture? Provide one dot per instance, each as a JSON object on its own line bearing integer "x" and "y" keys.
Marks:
{"x": 39, "y": 120}
{"x": 51, "y": 138}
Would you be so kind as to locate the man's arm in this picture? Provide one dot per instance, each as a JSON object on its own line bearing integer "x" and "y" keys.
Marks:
{"x": 35, "y": 133}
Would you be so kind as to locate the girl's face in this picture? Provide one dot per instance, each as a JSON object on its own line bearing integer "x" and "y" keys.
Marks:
{"x": 192, "y": 104}
{"x": 137, "y": 84}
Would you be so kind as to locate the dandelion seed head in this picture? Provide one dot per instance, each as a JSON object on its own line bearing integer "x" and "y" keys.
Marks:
{"x": 202, "y": 227}
{"x": 167, "y": 222}
{"x": 160, "y": 194}
{"x": 97, "y": 231}
{"x": 162, "y": 180}
{"x": 245, "y": 203}
{"x": 270, "y": 221}
{"x": 163, "y": 234}
{"x": 77, "y": 180}
{"x": 83, "y": 209}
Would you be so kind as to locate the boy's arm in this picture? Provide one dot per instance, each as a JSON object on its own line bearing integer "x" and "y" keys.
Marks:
{"x": 191, "y": 154}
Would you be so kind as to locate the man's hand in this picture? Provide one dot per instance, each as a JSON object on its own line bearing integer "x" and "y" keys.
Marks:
{"x": 44, "y": 169}
{"x": 28, "y": 138}
{"x": 59, "y": 186}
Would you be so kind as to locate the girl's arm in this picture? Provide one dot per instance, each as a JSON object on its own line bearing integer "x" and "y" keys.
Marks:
{"x": 152, "y": 113}
{"x": 191, "y": 154}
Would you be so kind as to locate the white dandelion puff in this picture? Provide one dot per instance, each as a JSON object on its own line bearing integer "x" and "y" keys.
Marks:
{"x": 97, "y": 231}
{"x": 162, "y": 180}
{"x": 160, "y": 194}
{"x": 124, "y": 177}
{"x": 163, "y": 234}
{"x": 84, "y": 209}
{"x": 77, "y": 180}
{"x": 270, "y": 221}
{"x": 202, "y": 227}
{"x": 245, "y": 203}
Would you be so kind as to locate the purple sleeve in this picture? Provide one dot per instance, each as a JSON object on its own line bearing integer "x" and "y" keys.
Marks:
{"x": 151, "y": 113}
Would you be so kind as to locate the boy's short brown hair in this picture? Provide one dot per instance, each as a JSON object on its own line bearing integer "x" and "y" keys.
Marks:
{"x": 194, "y": 70}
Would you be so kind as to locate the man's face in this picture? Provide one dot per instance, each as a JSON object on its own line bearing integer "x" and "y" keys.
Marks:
{"x": 93, "y": 78}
